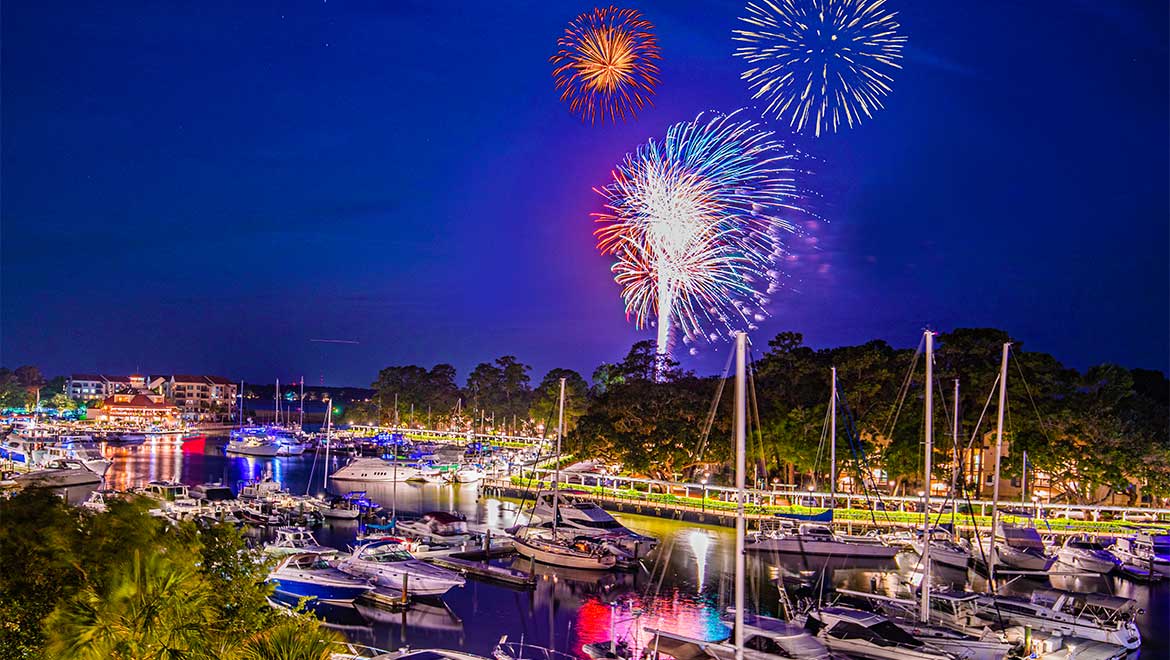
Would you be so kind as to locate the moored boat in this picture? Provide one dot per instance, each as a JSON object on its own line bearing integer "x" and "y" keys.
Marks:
{"x": 390, "y": 565}
{"x": 1085, "y": 553}
{"x": 296, "y": 540}
{"x": 309, "y": 575}
{"x": 563, "y": 549}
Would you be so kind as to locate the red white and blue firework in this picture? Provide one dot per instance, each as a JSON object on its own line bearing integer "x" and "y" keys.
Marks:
{"x": 694, "y": 223}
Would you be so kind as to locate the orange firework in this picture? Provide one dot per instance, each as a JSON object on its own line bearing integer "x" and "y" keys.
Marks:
{"x": 605, "y": 64}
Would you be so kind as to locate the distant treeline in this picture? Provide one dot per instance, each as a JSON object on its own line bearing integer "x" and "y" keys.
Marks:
{"x": 1094, "y": 433}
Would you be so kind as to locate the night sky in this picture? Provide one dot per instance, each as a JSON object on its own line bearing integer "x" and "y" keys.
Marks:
{"x": 203, "y": 187}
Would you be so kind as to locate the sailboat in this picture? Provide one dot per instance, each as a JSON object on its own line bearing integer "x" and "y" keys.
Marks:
{"x": 789, "y": 537}
{"x": 556, "y": 545}
{"x": 752, "y": 636}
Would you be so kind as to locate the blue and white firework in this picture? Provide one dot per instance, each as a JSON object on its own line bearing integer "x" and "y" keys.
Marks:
{"x": 820, "y": 64}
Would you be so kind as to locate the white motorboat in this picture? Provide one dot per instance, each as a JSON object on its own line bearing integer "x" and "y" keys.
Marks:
{"x": 63, "y": 476}
{"x": 73, "y": 449}
{"x": 212, "y": 493}
{"x": 562, "y": 549}
{"x": 764, "y": 638}
{"x": 943, "y": 550}
{"x": 296, "y": 540}
{"x": 252, "y": 446}
{"x": 259, "y": 489}
{"x": 436, "y": 527}
{"x": 376, "y": 469}
{"x": 1097, "y": 617}
{"x": 1022, "y": 548}
{"x": 1145, "y": 551}
{"x": 309, "y": 575}
{"x": 816, "y": 539}
{"x": 867, "y": 635}
{"x": 954, "y": 624}
{"x": 165, "y": 491}
{"x": 585, "y": 518}
{"x": 348, "y": 507}
{"x": 467, "y": 474}
{"x": 390, "y": 565}
{"x": 1085, "y": 553}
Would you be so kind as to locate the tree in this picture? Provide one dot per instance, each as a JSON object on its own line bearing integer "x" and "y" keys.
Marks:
{"x": 546, "y": 399}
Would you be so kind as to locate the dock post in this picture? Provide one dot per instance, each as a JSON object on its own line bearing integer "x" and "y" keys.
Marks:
{"x": 405, "y": 582}
{"x": 487, "y": 542}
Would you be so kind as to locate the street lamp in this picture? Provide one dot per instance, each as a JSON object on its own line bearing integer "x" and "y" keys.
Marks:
{"x": 775, "y": 485}
{"x": 704, "y": 482}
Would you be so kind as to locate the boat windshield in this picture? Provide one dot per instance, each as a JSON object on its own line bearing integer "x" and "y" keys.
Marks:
{"x": 882, "y": 634}
{"x": 387, "y": 554}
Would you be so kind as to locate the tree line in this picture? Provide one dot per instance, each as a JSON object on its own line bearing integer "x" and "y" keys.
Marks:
{"x": 1100, "y": 431}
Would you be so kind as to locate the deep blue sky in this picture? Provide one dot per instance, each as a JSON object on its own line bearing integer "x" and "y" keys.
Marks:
{"x": 204, "y": 187}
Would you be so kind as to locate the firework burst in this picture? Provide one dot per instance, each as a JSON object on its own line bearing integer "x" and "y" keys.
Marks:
{"x": 605, "y": 64}
{"x": 694, "y": 227}
{"x": 820, "y": 63}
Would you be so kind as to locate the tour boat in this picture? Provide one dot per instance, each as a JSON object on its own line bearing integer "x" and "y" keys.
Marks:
{"x": 376, "y": 469}
{"x": 1097, "y": 617}
{"x": 389, "y": 565}
{"x": 309, "y": 575}
{"x": 817, "y": 539}
{"x": 585, "y": 518}
{"x": 1085, "y": 553}
{"x": 294, "y": 540}
{"x": 559, "y": 548}
{"x": 867, "y": 635}
{"x": 763, "y": 636}
{"x": 943, "y": 550}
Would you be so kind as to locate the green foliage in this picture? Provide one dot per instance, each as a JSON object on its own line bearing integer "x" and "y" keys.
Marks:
{"x": 125, "y": 585}
{"x": 546, "y": 399}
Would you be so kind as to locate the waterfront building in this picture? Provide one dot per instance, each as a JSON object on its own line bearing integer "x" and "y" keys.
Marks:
{"x": 200, "y": 398}
{"x": 136, "y": 409}
{"x": 88, "y": 387}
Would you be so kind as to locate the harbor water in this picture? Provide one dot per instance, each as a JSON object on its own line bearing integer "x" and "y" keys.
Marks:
{"x": 682, "y": 587}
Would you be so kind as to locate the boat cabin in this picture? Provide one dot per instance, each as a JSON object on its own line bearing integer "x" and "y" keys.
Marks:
{"x": 167, "y": 491}
{"x": 442, "y": 523}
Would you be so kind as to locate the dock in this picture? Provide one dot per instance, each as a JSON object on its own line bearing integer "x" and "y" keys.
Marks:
{"x": 487, "y": 572}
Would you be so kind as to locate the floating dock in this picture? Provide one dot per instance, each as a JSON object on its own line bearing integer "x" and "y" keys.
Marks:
{"x": 477, "y": 569}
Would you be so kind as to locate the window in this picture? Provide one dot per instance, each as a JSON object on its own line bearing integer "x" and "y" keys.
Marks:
{"x": 762, "y": 643}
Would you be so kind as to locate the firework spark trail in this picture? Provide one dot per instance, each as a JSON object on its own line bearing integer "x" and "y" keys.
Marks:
{"x": 692, "y": 222}
{"x": 605, "y": 64}
{"x": 820, "y": 63}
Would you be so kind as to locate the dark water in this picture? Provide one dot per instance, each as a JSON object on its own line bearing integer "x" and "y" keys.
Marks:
{"x": 684, "y": 587}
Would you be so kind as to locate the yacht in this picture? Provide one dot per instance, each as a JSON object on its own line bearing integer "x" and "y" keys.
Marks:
{"x": 867, "y": 635}
{"x": 954, "y": 624}
{"x": 1097, "y": 617}
{"x": 309, "y": 575}
{"x": 295, "y": 540}
{"x": 90, "y": 457}
{"x": 560, "y": 548}
{"x": 18, "y": 449}
{"x": 59, "y": 473}
{"x": 764, "y": 638}
{"x": 943, "y": 550}
{"x": 1085, "y": 553}
{"x": 376, "y": 469}
{"x": 816, "y": 539}
{"x": 389, "y": 565}
{"x": 586, "y": 518}
{"x": 252, "y": 446}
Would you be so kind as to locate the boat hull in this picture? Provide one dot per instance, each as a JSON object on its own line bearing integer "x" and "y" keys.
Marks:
{"x": 260, "y": 451}
{"x": 798, "y": 546}
{"x": 568, "y": 560}
{"x": 311, "y": 589}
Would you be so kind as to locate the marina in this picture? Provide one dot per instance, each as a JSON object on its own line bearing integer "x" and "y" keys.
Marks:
{"x": 562, "y": 607}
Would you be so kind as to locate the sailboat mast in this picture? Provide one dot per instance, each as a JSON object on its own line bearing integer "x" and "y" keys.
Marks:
{"x": 924, "y": 608}
{"x": 302, "y": 408}
{"x": 998, "y": 452}
{"x": 955, "y": 462}
{"x": 241, "y": 414}
{"x": 557, "y": 470}
{"x": 833, "y": 441}
{"x": 740, "y": 470}
{"x": 328, "y": 440}
{"x": 276, "y": 398}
